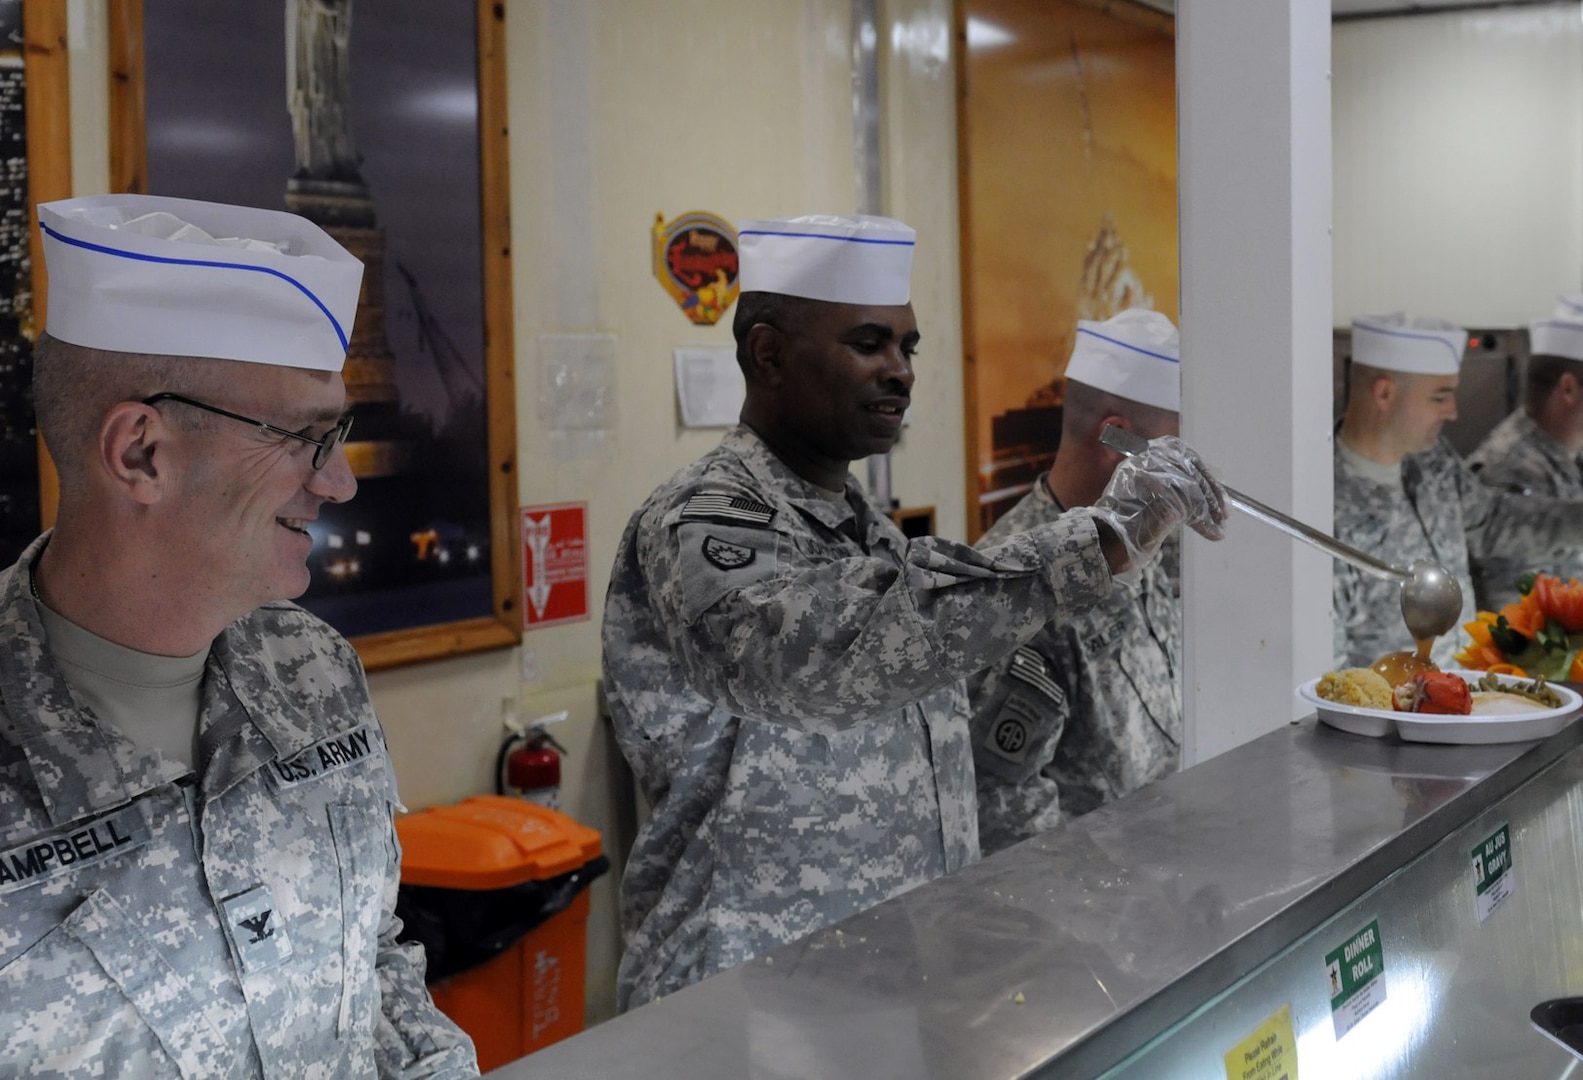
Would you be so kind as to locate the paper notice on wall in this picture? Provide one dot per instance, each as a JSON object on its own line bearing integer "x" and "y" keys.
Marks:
{"x": 709, "y": 385}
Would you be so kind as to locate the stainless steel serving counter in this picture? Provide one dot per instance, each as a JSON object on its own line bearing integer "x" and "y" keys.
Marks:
{"x": 1129, "y": 938}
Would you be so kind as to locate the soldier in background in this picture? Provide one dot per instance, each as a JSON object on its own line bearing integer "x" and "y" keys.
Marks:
{"x": 1091, "y": 707}
{"x": 1534, "y": 451}
{"x": 1402, "y": 493}
{"x": 783, "y": 666}
{"x": 198, "y": 863}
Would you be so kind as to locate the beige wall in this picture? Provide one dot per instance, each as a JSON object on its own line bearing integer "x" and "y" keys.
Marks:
{"x": 1459, "y": 163}
{"x": 620, "y": 110}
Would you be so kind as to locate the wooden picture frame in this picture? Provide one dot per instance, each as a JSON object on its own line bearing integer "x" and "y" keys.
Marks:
{"x": 30, "y": 493}
{"x": 421, "y": 641}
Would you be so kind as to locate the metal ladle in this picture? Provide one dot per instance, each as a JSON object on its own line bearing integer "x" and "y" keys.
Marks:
{"x": 1431, "y": 597}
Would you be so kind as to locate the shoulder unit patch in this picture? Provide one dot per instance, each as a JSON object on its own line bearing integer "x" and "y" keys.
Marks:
{"x": 718, "y": 506}
{"x": 727, "y": 556}
{"x": 1011, "y": 736}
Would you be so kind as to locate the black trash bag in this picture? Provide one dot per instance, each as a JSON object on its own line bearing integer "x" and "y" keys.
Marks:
{"x": 461, "y": 928}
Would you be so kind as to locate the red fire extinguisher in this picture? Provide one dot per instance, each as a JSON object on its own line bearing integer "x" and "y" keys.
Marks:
{"x": 529, "y": 762}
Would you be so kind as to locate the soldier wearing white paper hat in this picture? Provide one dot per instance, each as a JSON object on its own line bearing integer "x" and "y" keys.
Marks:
{"x": 1089, "y": 708}
{"x": 783, "y": 666}
{"x": 198, "y": 866}
{"x": 1402, "y": 493}
{"x": 1534, "y": 451}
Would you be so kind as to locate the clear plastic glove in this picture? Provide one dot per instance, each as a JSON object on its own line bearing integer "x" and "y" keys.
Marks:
{"x": 1151, "y": 493}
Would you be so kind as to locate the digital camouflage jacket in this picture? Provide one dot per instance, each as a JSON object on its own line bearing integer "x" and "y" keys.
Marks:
{"x": 234, "y": 923}
{"x": 1089, "y": 709}
{"x": 784, "y": 672}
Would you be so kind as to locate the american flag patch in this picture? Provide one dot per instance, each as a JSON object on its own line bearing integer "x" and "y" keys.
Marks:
{"x": 1030, "y": 667}
{"x": 714, "y": 506}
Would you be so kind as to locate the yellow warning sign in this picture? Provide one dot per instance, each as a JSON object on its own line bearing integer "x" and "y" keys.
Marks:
{"x": 1270, "y": 1053}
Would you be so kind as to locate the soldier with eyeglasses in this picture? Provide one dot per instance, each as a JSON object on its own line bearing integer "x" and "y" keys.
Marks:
{"x": 198, "y": 866}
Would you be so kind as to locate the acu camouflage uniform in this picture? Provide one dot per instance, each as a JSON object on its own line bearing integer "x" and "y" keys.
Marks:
{"x": 1088, "y": 710}
{"x": 1519, "y": 457}
{"x": 234, "y": 923}
{"x": 784, "y": 672}
{"x": 1442, "y": 512}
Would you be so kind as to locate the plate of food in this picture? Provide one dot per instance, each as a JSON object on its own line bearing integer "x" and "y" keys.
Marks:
{"x": 1462, "y": 707}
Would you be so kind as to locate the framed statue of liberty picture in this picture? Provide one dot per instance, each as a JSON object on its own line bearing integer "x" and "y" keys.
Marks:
{"x": 383, "y": 121}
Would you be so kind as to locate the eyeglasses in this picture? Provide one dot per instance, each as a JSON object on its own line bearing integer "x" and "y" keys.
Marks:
{"x": 323, "y": 447}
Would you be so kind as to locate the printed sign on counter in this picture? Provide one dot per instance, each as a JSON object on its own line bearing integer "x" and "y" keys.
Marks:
{"x": 1357, "y": 978}
{"x": 554, "y": 564}
{"x": 1492, "y": 872}
{"x": 1270, "y": 1053}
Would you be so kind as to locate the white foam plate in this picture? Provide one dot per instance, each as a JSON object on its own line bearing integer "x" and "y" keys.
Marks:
{"x": 1359, "y": 721}
{"x": 1461, "y": 730}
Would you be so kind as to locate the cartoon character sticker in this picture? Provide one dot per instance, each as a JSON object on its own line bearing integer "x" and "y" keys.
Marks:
{"x": 695, "y": 259}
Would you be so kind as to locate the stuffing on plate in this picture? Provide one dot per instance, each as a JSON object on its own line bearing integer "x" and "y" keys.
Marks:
{"x": 1363, "y": 688}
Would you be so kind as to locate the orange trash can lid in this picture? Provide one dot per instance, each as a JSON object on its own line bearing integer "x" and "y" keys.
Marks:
{"x": 491, "y": 842}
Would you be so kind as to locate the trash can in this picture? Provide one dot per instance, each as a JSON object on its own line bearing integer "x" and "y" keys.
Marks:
{"x": 496, "y": 890}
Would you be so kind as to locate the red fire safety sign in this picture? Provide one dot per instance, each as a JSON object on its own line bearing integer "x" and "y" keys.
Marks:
{"x": 554, "y": 564}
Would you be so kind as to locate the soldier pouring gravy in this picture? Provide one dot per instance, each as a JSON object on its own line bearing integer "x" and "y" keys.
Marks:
{"x": 784, "y": 666}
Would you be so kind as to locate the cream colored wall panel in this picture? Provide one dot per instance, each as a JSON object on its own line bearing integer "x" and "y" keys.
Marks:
{"x": 919, "y": 140}
{"x": 443, "y": 724}
{"x": 88, "y": 57}
{"x": 1459, "y": 163}
{"x": 683, "y": 106}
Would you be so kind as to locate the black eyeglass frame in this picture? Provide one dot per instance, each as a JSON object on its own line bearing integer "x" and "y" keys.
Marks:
{"x": 323, "y": 448}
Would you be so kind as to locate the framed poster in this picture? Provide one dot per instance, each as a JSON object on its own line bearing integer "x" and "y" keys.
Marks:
{"x": 384, "y": 122}
{"x": 35, "y": 144}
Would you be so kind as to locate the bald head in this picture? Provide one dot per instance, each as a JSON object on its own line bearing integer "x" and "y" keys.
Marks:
{"x": 1082, "y": 464}
{"x": 74, "y": 387}
{"x": 1390, "y": 414}
{"x": 1086, "y": 408}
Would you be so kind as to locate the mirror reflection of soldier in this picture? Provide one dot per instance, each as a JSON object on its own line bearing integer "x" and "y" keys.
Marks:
{"x": 783, "y": 665}
{"x": 1403, "y": 493}
{"x": 198, "y": 862}
{"x": 1090, "y": 708}
{"x": 1534, "y": 451}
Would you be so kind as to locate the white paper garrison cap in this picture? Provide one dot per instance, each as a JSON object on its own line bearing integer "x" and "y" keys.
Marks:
{"x": 1415, "y": 345}
{"x": 177, "y": 277}
{"x": 1135, "y": 355}
{"x": 1557, "y": 337}
{"x": 860, "y": 259}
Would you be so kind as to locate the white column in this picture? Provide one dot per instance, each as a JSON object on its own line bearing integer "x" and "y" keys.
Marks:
{"x": 1253, "y": 116}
